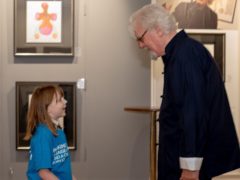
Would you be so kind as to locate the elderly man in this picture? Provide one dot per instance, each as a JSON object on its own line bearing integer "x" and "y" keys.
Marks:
{"x": 197, "y": 138}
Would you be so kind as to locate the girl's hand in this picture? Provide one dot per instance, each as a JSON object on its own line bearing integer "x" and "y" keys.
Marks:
{"x": 45, "y": 174}
{"x": 73, "y": 177}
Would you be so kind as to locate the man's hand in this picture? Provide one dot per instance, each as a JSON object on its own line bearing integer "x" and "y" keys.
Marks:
{"x": 189, "y": 175}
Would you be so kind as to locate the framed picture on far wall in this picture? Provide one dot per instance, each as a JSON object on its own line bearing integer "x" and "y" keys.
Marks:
{"x": 24, "y": 92}
{"x": 225, "y": 9}
{"x": 191, "y": 14}
{"x": 215, "y": 43}
{"x": 43, "y": 27}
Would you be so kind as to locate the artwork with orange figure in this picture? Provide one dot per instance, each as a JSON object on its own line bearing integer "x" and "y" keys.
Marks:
{"x": 44, "y": 21}
{"x": 46, "y": 25}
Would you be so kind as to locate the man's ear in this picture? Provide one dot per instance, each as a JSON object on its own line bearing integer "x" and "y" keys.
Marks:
{"x": 159, "y": 31}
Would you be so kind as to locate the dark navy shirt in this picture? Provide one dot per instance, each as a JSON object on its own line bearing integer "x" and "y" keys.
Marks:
{"x": 195, "y": 117}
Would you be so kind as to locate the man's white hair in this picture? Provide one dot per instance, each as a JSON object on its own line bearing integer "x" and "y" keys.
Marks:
{"x": 153, "y": 16}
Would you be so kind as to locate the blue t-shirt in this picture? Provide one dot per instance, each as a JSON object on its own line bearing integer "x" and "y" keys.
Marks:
{"x": 49, "y": 152}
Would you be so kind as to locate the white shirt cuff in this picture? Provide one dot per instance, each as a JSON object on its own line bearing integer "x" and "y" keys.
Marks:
{"x": 192, "y": 164}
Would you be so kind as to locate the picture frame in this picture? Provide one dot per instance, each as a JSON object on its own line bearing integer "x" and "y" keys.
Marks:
{"x": 215, "y": 43}
{"x": 23, "y": 94}
{"x": 44, "y": 28}
{"x": 190, "y": 14}
{"x": 225, "y": 9}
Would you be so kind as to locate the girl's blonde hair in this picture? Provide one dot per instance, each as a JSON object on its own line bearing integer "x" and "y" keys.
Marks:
{"x": 37, "y": 111}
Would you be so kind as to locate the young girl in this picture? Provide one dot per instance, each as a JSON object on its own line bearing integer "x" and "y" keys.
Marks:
{"x": 49, "y": 154}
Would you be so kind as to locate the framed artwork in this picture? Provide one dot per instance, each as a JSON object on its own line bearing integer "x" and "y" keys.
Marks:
{"x": 189, "y": 14}
{"x": 225, "y": 9}
{"x": 170, "y": 5}
{"x": 24, "y": 91}
{"x": 215, "y": 43}
{"x": 43, "y": 28}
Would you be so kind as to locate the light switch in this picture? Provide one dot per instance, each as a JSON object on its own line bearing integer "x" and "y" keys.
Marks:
{"x": 81, "y": 83}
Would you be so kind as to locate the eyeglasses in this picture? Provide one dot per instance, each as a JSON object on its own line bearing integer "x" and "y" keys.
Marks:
{"x": 140, "y": 38}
